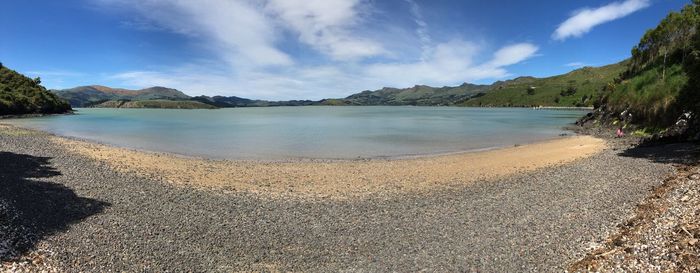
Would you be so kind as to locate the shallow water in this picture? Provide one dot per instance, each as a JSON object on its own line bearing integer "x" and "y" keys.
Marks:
{"x": 309, "y": 132}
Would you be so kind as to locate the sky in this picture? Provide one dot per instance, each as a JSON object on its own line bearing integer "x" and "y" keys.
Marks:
{"x": 314, "y": 49}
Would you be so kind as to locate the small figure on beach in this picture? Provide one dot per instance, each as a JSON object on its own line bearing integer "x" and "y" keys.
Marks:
{"x": 619, "y": 132}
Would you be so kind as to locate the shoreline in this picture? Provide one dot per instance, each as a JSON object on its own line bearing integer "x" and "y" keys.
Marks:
{"x": 23, "y": 116}
{"x": 311, "y": 178}
{"x": 334, "y": 178}
{"x": 375, "y": 215}
{"x": 569, "y": 133}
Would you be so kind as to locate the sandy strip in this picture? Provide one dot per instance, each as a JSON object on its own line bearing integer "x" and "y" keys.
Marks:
{"x": 340, "y": 179}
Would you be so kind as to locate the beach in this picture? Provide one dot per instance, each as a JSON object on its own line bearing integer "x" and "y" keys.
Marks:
{"x": 534, "y": 207}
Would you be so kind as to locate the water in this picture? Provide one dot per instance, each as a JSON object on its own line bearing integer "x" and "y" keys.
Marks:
{"x": 309, "y": 132}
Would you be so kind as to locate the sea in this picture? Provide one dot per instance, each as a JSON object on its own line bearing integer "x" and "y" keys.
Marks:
{"x": 310, "y": 132}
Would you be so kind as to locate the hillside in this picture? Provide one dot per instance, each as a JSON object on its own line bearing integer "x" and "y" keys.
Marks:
{"x": 658, "y": 91}
{"x": 233, "y": 101}
{"x": 85, "y": 96}
{"x": 417, "y": 95}
{"x": 22, "y": 95}
{"x": 580, "y": 87}
{"x": 165, "y": 104}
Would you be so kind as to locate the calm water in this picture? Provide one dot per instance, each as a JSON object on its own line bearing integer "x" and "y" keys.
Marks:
{"x": 309, "y": 132}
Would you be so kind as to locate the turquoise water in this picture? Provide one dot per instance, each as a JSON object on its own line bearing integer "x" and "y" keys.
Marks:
{"x": 309, "y": 132}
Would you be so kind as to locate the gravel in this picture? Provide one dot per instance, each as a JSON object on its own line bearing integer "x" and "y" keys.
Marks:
{"x": 91, "y": 218}
{"x": 662, "y": 236}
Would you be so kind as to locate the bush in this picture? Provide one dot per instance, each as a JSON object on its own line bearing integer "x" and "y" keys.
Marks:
{"x": 22, "y": 95}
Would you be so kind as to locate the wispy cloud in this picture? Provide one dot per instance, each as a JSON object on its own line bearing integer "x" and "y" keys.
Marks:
{"x": 326, "y": 25}
{"x": 55, "y": 78}
{"x": 575, "y": 64}
{"x": 241, "y": 34}
{"x": 54, "y": 73}
{"x": 422, "y": 29}
{"x": 450, "y": 63}
{"x": 582, "y": 21}
{"x": 252, "y": 38}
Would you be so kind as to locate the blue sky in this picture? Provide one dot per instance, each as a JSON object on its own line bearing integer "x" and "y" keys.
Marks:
{"x": 312, "y": 49}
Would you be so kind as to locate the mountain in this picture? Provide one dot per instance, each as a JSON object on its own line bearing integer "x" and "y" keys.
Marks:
{"x": 85, "y": 96}
{"x": 580, "y": 87}
{"x": 233, "y": 101}
{"x": 22, "y": 95}
{"x": 164, "y": 104}
{"x": 417, "y": 95}
{"x": 577, "y": 88}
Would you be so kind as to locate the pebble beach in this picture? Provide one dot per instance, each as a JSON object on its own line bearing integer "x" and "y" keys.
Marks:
{"x": 103, "y": 208}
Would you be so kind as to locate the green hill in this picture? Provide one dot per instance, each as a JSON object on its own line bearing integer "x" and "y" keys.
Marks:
{"x": 417, "y": 95}
{"x": 660, "y": 87}
{"x": 233, "y": 101}
{"x": 580, "y": 87}
{"x": 22, "y": 95}
{"x": 85, "y": 96}
{"x": 165, "y": 104}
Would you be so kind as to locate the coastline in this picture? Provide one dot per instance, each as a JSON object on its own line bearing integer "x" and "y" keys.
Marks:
{"x": 540, "y": 215}
{"x": 71, "y": 112}
{"x": 336, "y": 179}
{"x": 457, "y": 141}
{"x": 571, "y": 132}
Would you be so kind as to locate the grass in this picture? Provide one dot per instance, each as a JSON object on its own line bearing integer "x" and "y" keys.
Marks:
{"x": 650, "y": 96}
{"x": 580, "y": 87}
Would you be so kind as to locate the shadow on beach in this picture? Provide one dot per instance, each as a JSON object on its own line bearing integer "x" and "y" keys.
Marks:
{"x": 679, "y": 153}
{"x": 31, "y": 209}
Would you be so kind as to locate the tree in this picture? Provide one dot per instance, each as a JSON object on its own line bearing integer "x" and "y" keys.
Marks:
{"x": 531, "y": 90}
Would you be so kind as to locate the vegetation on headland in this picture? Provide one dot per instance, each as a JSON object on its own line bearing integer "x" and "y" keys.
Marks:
{"x": 164, "y": 104}
{"x": 578, "y": 88}
{"x": 87, "y": 96}
{"x": 22, "y": 95}
{"x": 659, "y": 89}
{"x": 574, "y": 89}
{"x": 422, "y": 95}
{"x": 233, "y": 101}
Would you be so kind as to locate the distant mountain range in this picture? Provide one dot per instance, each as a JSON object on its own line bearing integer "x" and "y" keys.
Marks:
{"x": 576, "y": 88}
{"x": 86, "y": 96}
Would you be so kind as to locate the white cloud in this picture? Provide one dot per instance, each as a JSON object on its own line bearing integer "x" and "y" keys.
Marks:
{"x": 449, "y": 63}
{"x": 513, "y": 54}
{"x": 56, "y": 78}
{"x": 422, "y": 29}
{"x": 250, "y": 38}
{"x": 237, "y": 29}
{"x": 582, "y": 21}
{"x": 326, "y": 25}
{"x": 575, "y": 64}
{"x": 54, "y": 73}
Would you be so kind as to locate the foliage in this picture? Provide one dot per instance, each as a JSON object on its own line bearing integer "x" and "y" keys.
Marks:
{"x": 22, "y": 95}
{"x": 87, "y": 96}
{"x": 580, "y": 87}
{"x": 165, "y": 104}
{"x": 418, "y": 95}
{"x": 661, "y": 81}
